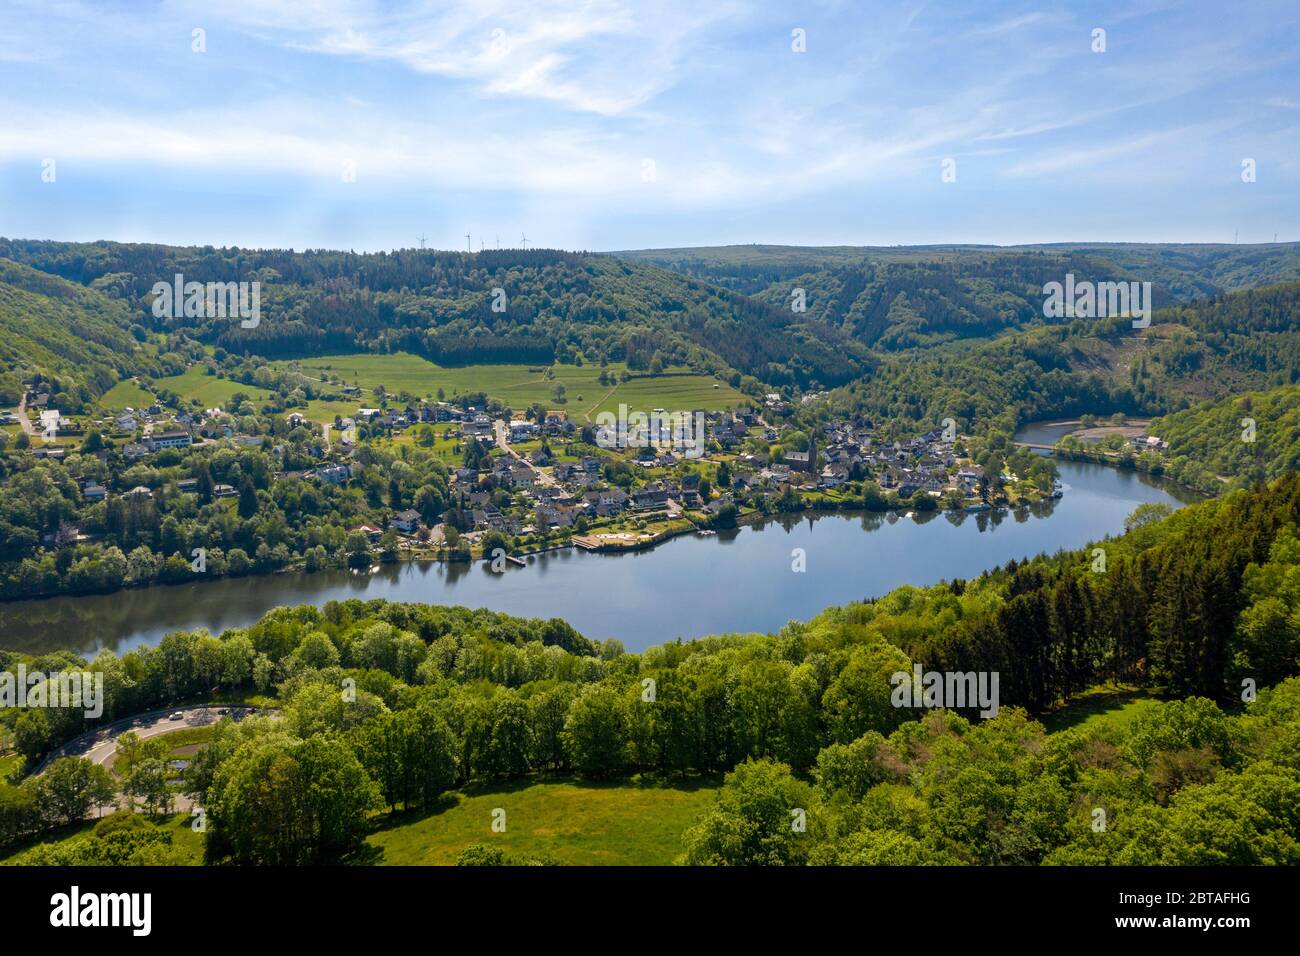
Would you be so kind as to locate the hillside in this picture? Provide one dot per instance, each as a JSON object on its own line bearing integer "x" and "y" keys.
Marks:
{"x": 1182, "y": 271}
{"x": 75, "y": 337}
{"x": 1247, "y": 340}
{"x": 551, "y": 305}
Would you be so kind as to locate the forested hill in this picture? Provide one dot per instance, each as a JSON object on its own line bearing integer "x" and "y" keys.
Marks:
{"x": 897, "y": 298}
{"x": 1183, "y": 271}
{"x": 1213, "y": 350}
{"x": 54, "y": 328}
{"x": 552, "y": 306}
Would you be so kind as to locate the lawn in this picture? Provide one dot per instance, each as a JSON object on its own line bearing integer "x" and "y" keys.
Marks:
{"x": 1111, "y": 704}
{"x": 213, "y": 392}
{"x": 574, "y": 822}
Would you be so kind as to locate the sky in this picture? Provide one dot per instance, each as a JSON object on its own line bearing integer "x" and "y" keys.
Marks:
{"x": 606, "y": 125}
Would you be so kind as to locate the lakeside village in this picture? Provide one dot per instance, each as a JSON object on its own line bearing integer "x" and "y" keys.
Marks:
{"x": 538, "y": 480}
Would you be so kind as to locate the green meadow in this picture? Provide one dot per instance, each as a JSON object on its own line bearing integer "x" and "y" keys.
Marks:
{"x": 517, "y": 385}
{"x": 126, "y": 394}
{"x": 1104, "y": 704}
{"x": 213, "y": 392}
{"x": 573, "y": 822}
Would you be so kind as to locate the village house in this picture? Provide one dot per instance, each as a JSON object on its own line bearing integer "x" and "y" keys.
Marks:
{"x": 407, "y": 522}
{"x": 172, "y": 439}
{"x": 334, "y": 474}
{"x": 649, "y": 498}
{"x": 93, "y": 491}
{"x": 372, "y": 533}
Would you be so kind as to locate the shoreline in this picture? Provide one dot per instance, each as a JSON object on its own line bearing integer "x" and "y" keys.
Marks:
{"x": 742, "y": 520}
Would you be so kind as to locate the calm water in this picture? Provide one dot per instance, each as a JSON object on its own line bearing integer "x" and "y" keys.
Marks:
{"x": 739, "y": 580}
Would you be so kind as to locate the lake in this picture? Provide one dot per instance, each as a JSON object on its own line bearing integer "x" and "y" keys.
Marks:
{"x": 735, "y": 581}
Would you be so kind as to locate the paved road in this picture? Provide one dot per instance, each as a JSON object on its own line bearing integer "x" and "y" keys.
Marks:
{"x": 100, "y": 745}
{"x": 499, "y": 429}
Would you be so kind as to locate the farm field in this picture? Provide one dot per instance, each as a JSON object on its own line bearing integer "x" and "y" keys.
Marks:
{"x": 517, "y": 385}
{"x": 404, "y": 372}
{"x": 671, "y": 393}
{"x": 213, "y": 392}
{"x": 574, "y": 822}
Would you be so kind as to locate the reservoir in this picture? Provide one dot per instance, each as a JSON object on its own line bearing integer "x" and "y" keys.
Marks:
{"x": 735, "y": 581}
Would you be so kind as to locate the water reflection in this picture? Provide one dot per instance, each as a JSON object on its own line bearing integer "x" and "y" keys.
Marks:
{"x": 737, "y": 580}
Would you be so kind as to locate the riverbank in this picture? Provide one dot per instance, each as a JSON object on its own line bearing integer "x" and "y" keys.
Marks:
{"x": 688, "y": 585}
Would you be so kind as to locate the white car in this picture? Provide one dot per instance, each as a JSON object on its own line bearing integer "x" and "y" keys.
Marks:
{"x": 177, "y": 716}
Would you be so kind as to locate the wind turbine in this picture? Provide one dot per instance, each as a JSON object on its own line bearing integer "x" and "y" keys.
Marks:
{"x": 468, "y": 247}
{"x": 524, "y": 240}
{"x": 421, "y": 240}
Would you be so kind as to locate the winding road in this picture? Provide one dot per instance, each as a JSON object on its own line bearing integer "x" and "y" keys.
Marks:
{"x": 100, "y": 745}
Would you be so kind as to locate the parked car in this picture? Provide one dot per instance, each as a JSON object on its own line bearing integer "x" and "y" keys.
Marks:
{"x": 177, "y": 716}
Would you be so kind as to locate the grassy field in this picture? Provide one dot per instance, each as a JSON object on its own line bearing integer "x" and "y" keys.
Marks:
{"x": 514, "y": 384}
{"x": 179, "y": 825}
{"x": 9, "y": 763}
{"x": 325, "y": 412}
{"x": 404, "y": 372}
{"x": 1103, "y": 704}
{"x": 574, "y": 822}
{"x": 126, "y": 394}
{"x": 673, "y": 393}
{"x": 213, "y": 392}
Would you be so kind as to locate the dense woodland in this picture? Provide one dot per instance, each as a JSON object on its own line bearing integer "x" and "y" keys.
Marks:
{"x": 1199, "y": 605}
{"x": 440, "y": 304}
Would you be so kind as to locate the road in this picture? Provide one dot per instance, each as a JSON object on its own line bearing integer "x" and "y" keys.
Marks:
{"x": 503, "y": 442}
{"x": 100, "y": 745}
{"x": 22, "y": 416}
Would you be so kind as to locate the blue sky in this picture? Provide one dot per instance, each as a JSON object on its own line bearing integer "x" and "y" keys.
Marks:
{"x": 612, "y": 125}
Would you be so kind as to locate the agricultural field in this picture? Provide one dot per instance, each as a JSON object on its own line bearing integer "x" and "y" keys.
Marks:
{"x": 573, "y": 822}
{"x": 213, "y": 392}
{"x": 673, "y": 393}
{"x": 514, "y": 384}
{"x": 404, "y": 372}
